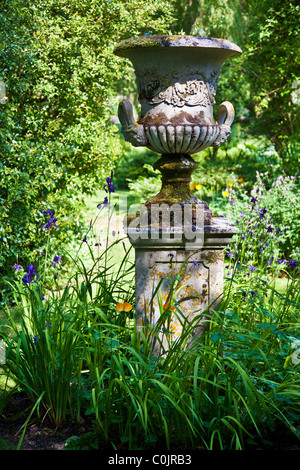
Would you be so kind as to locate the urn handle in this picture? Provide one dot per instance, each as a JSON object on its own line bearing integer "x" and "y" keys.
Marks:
{"x": 131, "y": 130}
{"x": 226, "y": 113}
{"x": 225, "y": 118}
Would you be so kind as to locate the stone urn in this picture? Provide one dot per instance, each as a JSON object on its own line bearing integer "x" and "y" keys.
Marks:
{"x": 177, "y": 79}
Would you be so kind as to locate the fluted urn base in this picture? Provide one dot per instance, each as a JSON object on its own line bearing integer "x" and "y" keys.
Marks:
{"x": 185, "y": 138}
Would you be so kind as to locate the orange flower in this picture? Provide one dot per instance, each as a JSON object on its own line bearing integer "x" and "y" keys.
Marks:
{"x": 123, "y": 307}
{"x": 167, "y": 305}
{"x": 192, "y": 186}
{"x": 240, "y": 180}
{"x": 127, "y": 306}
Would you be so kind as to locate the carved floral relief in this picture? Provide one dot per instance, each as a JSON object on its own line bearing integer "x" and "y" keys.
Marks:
{"x": 190, "y": 87}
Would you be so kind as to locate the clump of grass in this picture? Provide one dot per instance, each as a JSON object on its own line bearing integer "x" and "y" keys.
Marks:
{"x": 76, "y": 351}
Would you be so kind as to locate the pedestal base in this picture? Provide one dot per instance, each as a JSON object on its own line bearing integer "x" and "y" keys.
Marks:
{"x": 178, "y": 283}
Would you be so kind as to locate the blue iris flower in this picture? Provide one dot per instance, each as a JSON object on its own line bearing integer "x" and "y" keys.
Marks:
{"x": 56, "y": 259}
{"x": 109, "y": 187}
{"x": 17, "y": 267}
{"x": 52, "y": 219}
{"x": 28, "y": 278}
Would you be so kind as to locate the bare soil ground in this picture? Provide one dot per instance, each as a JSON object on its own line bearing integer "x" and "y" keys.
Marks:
{"x": 45, "y": 437}
{"x": 37, "y": 436}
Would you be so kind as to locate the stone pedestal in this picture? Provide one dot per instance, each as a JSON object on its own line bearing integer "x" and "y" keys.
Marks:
{"x": 178, "y": 281}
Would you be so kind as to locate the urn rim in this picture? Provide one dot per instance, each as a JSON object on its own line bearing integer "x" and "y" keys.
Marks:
{"x": 178, "y": 41}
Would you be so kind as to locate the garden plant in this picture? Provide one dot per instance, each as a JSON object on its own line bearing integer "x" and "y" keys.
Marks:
{"x": 76, "y": 353}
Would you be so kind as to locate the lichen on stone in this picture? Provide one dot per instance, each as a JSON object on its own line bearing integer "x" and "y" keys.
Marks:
{"x": 147, "y": 41}
{"x": 175, "y": 40}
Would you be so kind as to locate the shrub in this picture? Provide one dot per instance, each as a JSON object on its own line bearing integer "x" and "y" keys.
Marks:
{"x": 57, "y": 138}
{"x": 267, "y": 217}
{"x": 131, "y": 165}
{"x": 145, "y": 187}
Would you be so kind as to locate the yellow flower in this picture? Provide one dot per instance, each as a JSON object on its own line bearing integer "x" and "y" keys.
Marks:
{"x": 123, "y": 307}
{"x": 240, "y": 180}
{"x": 192, "y": 186}
{"x": 225, "y": 193}
{"x": 198, "y": 187}
{"x": 230, "y": 185}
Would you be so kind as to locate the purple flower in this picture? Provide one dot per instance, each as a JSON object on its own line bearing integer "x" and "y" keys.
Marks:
{"x": 242, "y": 214}
{"x": 270, "y": 229}
{"x": 51, "y": 221}
{"x": 292, "y": 263}
{"x": 195, "y": 263}
{"x": 56, "y": 259}
{"x": 104, "y": 203}
{"x": 280, "y": 261}
{"x": 252, "y": 268}
{"x": 229, "y": 254}
{"x": 262, "y": 213}
{"x": 17, "y": 267}
{"x": 109, "y": 187}
{"x": 254, "y": 200}
{"x": 28, "y": 278}
{"x": 51, "y": 213}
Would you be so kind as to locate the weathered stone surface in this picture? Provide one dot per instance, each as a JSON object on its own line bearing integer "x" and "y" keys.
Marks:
{"x": 199, "y": 267}
{"x": 177, "y": 79}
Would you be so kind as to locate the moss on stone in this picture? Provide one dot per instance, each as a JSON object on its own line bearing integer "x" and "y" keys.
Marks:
{"x": 147, "y": 41}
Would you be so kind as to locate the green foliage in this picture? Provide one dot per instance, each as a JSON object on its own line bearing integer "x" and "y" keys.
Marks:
{"x": 131, "y": 165}
{"x": 212, "y": 18}
{"x": 75, "y": 354}
{"x": 272, "y": 64}
{"x": 267, "y": 218}
{"x": 233, "y": 162}
{"x": 46, "y": 332}
{"x": 263, "y": 83}
{"x": 57, "y": 138}
{"x": 145, "y": 187}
